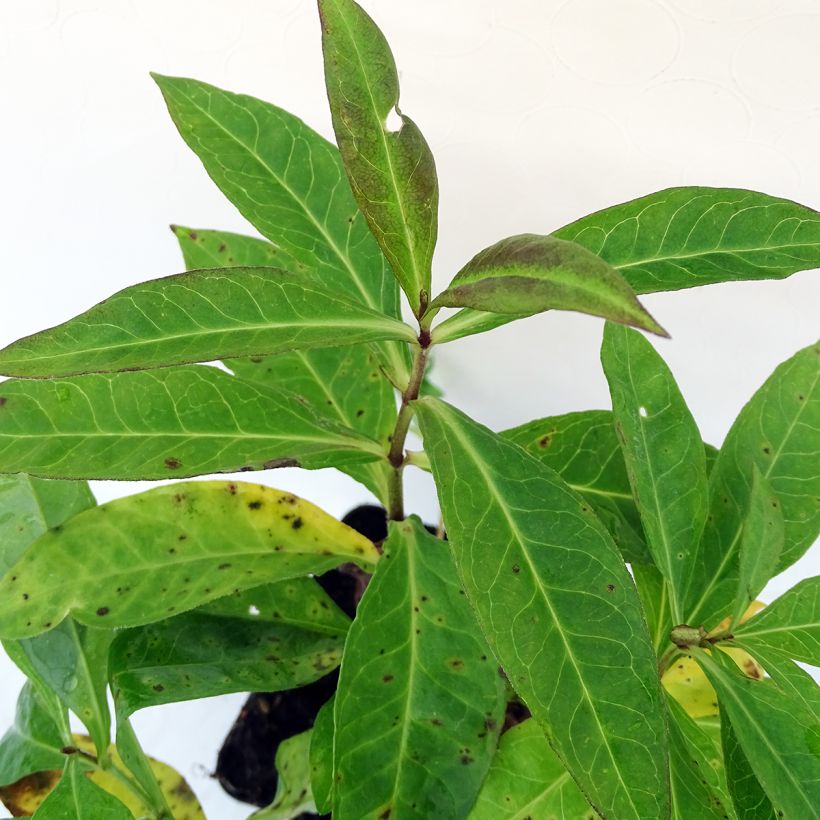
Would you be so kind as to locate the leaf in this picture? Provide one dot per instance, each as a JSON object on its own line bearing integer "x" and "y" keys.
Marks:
{"x": 584, "y": 450}
{"x": 197, "y": 655}
{"x": 392, "y": 172}
{"x": 297, "y": 602}
{"x": 664, "y": 454}
{"x": 342, "y": 384}
{"x": 420, "y": 702}
{"x": 654, "y": 594}
{"x": 170, "y": 423}
{"x": 558, "y": 607}
{"x": 27, "y": 794}
{"x": 33, "y": 744}
{"x": 293, "y": 795}
{"x": 321, "y": 757}
{"x": 75, "y": 797}
{"x": 779, "y": 432}
{"x": 527, "y": 780}
{"x": 778, "y": 736}
{"x": 200, "y": 316}
{"x": 530, "y": 273}
{"x": 72, "y": 661}
{"x": 167, "y": 550}
{"x": 761, "y": 542}
{"x": 685, "y": 237}
{"x": 748, "y": 797}
{"x": 791, "y": 624}
{"x": 697, "y": 787}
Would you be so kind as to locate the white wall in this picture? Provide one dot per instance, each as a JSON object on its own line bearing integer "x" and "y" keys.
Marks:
{"x": 538, "y": 111}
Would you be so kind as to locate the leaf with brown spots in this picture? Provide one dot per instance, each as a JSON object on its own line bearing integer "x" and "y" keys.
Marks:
{"x": 146, "y": 557}
{"x": 293, "y": 795}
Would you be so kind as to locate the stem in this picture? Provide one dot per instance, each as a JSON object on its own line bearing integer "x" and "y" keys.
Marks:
{"x": 666, "y": 661}
{"x": 396, "y": 455}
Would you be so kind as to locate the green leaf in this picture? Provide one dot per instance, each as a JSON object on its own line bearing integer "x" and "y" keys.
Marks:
{"x": 321, "y": 757}
{"x": 293, "y": 797}
{"x": 72, "y": 661}
{"x": 167, "y": 550}
{"x": 761, "y": 543}
{"x": 778, "y": 736}
{"x": 287, "y": 181}
{"x": 654, "y": 594}
{"x": 342, "y": 384}
{"x": 297, "y": 602}
{"x": 198, "y": 655}
{"x": 420, "y": 702}
{"x": 30, "y": 506}
{"x": 76, "y": 798}
{"x": 749, "y": 799}
{"x": 791, "y": 624}
{"x": 33, "y": 743}
{"x": 778, "y": 431}
{"x": 558, "y": 607}
{"x": 392, "y": 173}
{"x": 140, "y": 765}
{"x": 685, "y": 237}
{"x": 170, "y": 423}
{"x": 697, "y": 785}
{"x": 664, "y": 454}
{"x": 584, "y": 450}
{"x": 530, "y": 273}
{"x": 527, "y": 780}
{"x": 200, "y": 316}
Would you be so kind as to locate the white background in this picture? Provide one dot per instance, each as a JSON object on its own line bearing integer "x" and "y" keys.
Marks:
{"x": 538, "y": 111}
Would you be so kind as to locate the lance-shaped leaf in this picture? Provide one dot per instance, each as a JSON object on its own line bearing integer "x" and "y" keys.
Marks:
{"x": 343, "y": 384}
{"x": 293, "y": 797}
{"x": 791, "y": 624}
{"x": 321, "y": 757}
{"x": 584, "y": 450}
{"x": 287, "y": 181}
{"x": 33, "y": 743}
{"x": 684, "y": 237}
{"x": 167, "y": 550}
{"x": 761, "y": 543}
{"x": 170, "y": 423}
{"x": 392, "y": 173}
{"x": 527, "y": 780}
{"x": 200, "y": 316}
{"x": 654, "y": 594}
{"x": 777, "y": 734}
{"x": 698, "y": 788}
{"x": 664, "y": 454}
{"x": 748, "y": 798}
{"x": 557, "y": 605}
{"x": 77, "y": 798}
{"x": 297, "y": 602}
{"x": 420, "y": 702}
{"x": 198, "y": 655}
{"x": 779, "y": 432}
{"x": 530, "y": 273}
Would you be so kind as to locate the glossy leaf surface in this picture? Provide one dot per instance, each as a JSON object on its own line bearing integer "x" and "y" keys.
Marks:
{"x": 197, "y": 655}
{"x": 791, "y": 624}
{"x": 561, "y": 613}
{"x": 170, "y": 423}
{"x": 167, "y": 550}
{"x": 778, "y": 431}
{"x": 420, "y": 702}
{"x": 664, "y": 454}
{"x": 685, "y": 237}
{"x": 527, "y": 780}
{"x": 583, "y": 449}
{"x": 778, "y": 736}
{"x": 748, "y": 798}
{"x": 530, "y": 273}
{"x": 392, "y": 172}
{"x": 342, "y": 384}
{"x": 200, "y": 316}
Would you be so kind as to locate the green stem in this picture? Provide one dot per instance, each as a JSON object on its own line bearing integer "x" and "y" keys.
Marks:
{"x": 396, "y": 455}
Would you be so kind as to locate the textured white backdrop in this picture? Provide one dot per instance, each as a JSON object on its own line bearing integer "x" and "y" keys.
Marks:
{"x": 538, "y": 111}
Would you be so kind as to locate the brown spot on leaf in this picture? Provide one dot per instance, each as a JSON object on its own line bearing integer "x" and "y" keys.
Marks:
{"x": 173, "y": 463}
{"x": 387, "y": 678}
{"x": 275, "y": 463}
{"x": 103, "y": 610}
{"x": 297, "y": 523}
{"x": 516, "y": 569}
{"x": 255, "y": 505}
